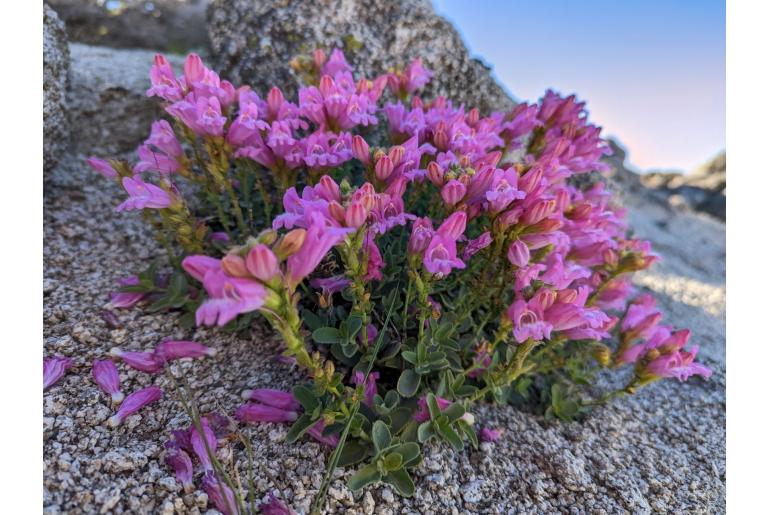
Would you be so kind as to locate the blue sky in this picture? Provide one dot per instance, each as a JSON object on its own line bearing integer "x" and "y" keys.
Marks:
{"x": 652, "y": 72}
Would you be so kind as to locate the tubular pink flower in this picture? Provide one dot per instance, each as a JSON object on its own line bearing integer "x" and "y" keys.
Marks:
{"x": 679, "y": 364}
{"x": 180, "y": 462}
{"x": 200, "y": 441}
{"x": 370, "y": 385}
{"x": 518, "y": 253}
{"x": 151, "y": 161}
{"x": 228, "y": 297}
{"x": 317, "y": 432}
{"x": 145, "y": 361}
{"x": 275, "y": 398}
{"x": 220, "y": 494}
{"x": 528, "y": 321}
{"x": 441, "y": 256}
{"x": 275, "y": 506}
{"x": 164, "y": 82}
{"x": 177, "y": 349}
{"x": 103, "y": 167}
{"x": 121, "y": 299}
{"x": 360, "y": 150}
{"x": 318, "y": 242}
{"x": 422, "y": 233}
{"x": 488, "y": 434}
{"x": 453, "y": 192}
{"x": 106, "y": 376}
{"x": 454, "y": 226}
{"x": 503, "y": 190}
{"x": 423, "y": 414}
{"x": 143, "y": 195}
{"x": 253, "y": 413}
{"x": 134, "y": 402}
{"x": 477, "y": 244}
{"x": 54, "y": 368}
{"x": 329, "y": 285}
{"x": 199, "y": 266}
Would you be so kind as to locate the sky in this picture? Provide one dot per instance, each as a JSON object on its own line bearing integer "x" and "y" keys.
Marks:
{"x": 652, "y": 72}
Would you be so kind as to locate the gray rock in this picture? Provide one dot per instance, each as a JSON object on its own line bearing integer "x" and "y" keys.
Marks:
{"x": 169, "y": 25}
{"x": 109, "y": 109}
{"x": 56, "y": 65}
{"x": 254, "y": 40}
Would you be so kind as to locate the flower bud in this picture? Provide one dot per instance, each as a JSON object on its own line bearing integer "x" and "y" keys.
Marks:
{"x": 275, "y": 100}
{"x": 396, "y": 154}
{"x": 602, "y": 354}
{"x": 531, "y": 180}
{"x": 262, "y": 263}
{"x": 355, "y": 215}
{"x": 383, "y": 168}
{"x": 319, "y": 58}
{"x": 540, "y": 210}
{"x": 417, "y": 102}
{"x": 290, "y": 243}
{"x": 435, "y": 174}
{"x": 268, "y": 237}
{"x": 234, "y": 266}
{"x": 473, "y": 117}
{"x": 361, "y": 150}
{"x": 518, "y": 253}
{"x": 453, "y": 192}
{"x": 440, "y": 137}
{"x": 337, "y": 212}
{"x": 328, "y": 189}
{"x": 610, "y": 257}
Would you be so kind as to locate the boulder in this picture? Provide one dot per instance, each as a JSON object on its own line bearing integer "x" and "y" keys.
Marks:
{"x": 110, "y": 111}
{"x": 56, "y": 65}
{"x": 254, "y": 40}
{"x": 168, "y": 25}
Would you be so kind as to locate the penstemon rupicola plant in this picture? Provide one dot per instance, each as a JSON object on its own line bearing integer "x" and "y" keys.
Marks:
{"x": 414, "y": 256}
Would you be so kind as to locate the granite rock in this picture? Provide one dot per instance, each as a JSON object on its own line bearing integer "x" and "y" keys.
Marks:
{"x": 254, "y": 40}
{"x": 56, "y": 65}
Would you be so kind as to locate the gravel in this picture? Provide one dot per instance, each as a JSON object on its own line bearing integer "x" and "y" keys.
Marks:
{"x": 662, "y": 450}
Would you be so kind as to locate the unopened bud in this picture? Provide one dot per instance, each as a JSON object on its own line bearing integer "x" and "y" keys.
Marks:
{"x": 602, "y": 354}
{"x": 361, "y": 150}
{"x": 396, "y": 154}
{"x": 337, "y": 212}
{"x": 234, "y": 266}
{"x": 290, "y": 243}
{"x": 383, "y": 168}
{"x": 262, "y": 263}
{"x": 355, "y": 215}
{"x": 435, "y": 174}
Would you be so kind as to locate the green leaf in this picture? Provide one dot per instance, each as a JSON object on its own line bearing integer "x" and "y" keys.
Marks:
{"x": 470, "y": 433}
{"x": 401, "y": 481}
{"x": 354, "y": 324}
{"x": 409, "y": 356}
{"x": 299, "y": 428}
{"x": 365, "y": 476}
{"x": 306, "y": 397}
{"x": 312, "y": 321}
{"x": 454, "y": 411}
{"x": 433, "y": 407}
{"x": 392, "y": 462}
{"x": 425, "y": 431}
{"x": 399, "y": 417}
{"x": 451, "y": 436}
{"x": 380, "y": 436}
{"x": 349, "y": 349}
{"x": 353, "y": 452}
{"x": 409, "y": 452}
{"x": 326, "y": 335}
{"x": 408, "y": 383}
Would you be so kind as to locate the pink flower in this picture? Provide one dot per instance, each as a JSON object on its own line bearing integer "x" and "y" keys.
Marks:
{"x": 199, "y": 266}
{"x": 503, "y": 190}
{"x": 245, "y": 128}
{"x": 441, "y": 256}
{"x": 134, "y": 402}
{"x": 106, "y": 376}
{"x": 253, "y": 412}
{"x": 370, "y": 386}
{"x": 453, "y": 192}
{"x": 330, "y": 285}
{"x": 180, "y": 461}
{"x": 220, "y": 494}
{"x": 518, "y": 253}
{"x": 177, "y": 349}
{"x": 274, "y": 506}
{"x": 488, "y": 434}
{"x": 202, "y": 115}
{"x": 317, "y": 432}
{"x": 679, "y": 364}
{"x": 422, "y": 233}
{"x": 275, "y": 398}
{"x": 164, "y": 81}
{"x": 228, "y": 298}
{"x": 204, "y": 442}
{"x": 319, "y": 240}
{"x": 143, "y": 195}
{"x": 103, "y": 167}
{"x": 423, "y": 414}
{"x": 374, "y": 263}
{"x": 144, "y": 361}
{"x": 414, "y": 77}
{"x": 477, "y": 244}
{"x": 262, "y": 263}
{"x": 529, "y": 320}
{"x": 121, "y": 299}
{"x": 54, "y": 368}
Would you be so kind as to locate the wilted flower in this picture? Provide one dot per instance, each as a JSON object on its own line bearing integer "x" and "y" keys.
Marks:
{"x": 106, "y": 376}
{"x": 254, "y": 412}
{"x": 134, "y": 402}
{"x": 145, "y": 361}
{"x": 220, "y": 494}
{"x": 54, "y": 368}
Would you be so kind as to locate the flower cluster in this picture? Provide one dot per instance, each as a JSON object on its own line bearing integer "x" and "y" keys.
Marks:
{"x": 454, "y": 252}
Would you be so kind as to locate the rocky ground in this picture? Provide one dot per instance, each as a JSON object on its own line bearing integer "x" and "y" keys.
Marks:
{"x": 659, "y": 451}
{"x": 662, "y": 450}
